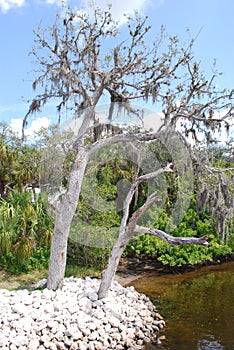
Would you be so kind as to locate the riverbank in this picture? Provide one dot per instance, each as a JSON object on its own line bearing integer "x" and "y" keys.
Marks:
{"x": 131, "y": 269}
{"x": 73, "y": 318}
{"x": 125, "y": 320}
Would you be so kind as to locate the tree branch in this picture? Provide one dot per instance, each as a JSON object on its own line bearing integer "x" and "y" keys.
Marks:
{"x": 124, "y": 138}
{"x": 140, "y": 211}
{"x": 170, "y": 239}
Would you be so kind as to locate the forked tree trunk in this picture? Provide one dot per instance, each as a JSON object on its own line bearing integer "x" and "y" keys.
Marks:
{"x": 65, "y": 211}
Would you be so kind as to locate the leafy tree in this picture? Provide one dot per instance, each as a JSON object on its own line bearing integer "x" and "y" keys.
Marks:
{"x": 8, "y": 154}
{"x": 78, "y": 71}
{"x": 19, "y": 162}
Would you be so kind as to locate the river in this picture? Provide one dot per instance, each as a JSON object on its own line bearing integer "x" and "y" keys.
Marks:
{"x": 198, "y": 307}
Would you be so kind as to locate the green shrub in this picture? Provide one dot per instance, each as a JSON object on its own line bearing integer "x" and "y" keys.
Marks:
{"x": 83, "y": 255}
{"x": 25, "y": 233}
{"x": 191, "y": 226}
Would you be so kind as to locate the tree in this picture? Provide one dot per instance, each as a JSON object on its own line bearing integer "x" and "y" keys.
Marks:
{"x": 19, "y": 163}
{"x": 78, "y": 72}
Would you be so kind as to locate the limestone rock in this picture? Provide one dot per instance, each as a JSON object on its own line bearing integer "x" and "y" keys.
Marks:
{"x": 73, "y": 318}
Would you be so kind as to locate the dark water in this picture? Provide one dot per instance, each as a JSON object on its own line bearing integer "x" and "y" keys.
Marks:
{"x": 198, "y": 307}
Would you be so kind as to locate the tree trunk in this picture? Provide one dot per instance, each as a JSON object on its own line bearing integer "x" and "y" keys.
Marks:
{"x": 58, "y": 253}
{"x": 65, "y": 211}
{"x": 112, "y": 266}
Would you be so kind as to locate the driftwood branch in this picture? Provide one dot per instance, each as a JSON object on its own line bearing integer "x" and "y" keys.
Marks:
{"x": 173, "y": 240}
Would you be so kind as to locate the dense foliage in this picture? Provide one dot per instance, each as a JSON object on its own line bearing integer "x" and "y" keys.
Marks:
{"x": 26, "y": 231}
{"x": 194, "y": 224}
{"x": 26, "y": 224}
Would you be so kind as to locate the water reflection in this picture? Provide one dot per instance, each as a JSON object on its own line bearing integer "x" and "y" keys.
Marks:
{"x": 198, "y": 307}
{"x": 206, "y": 344}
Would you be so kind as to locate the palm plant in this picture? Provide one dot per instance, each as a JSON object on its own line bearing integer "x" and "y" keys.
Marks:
{"x": 24, "y": 226}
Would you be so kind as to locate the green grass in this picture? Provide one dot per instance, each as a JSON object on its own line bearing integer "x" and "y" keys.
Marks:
{"x": 82, "y": 271}
{"x": 21, "y": 281}
{"x": 25, "y": 280}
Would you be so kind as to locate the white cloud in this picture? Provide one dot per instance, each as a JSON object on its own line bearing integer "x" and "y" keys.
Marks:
{"x": 36, "y": 125}
{"x": 55, "y": 2}
{"x": 119, "y": 7}
{"x": 16, "y": 125}
{"x": 6, "y": 5}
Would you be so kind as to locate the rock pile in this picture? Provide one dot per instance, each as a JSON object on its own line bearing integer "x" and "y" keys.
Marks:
{"x": 73, "y": 318}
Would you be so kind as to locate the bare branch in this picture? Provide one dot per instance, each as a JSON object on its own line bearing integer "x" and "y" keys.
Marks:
{"x": 124, "y": 138}
{"x": 173, "y": 240}
{"x": 211, "y": 169}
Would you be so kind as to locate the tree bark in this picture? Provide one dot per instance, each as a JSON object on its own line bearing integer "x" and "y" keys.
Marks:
{"x": 112, "y": 266}
{"x": 65, "y": 211}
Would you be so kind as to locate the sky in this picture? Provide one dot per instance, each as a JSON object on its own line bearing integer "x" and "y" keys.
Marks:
{"x": 211, "y": 20}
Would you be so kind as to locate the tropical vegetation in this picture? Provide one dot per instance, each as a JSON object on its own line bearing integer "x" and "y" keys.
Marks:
{"x": 26, "y": 219}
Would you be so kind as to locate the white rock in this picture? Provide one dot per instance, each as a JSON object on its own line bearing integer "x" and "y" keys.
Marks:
{"x": 49, "y": 308}
{"x": 93, "y": 335}
{"x": 45, "y": 338}
{"x": 85, "y": 303}
{"x": 20, "y": 340}
{"x": 76, "y": 335}
{"x": 116, "y": 336}
{"x": 14, "y": 316}
{"x": 26, "y": 323}
{"x": 33, "y": 344}
{"x": 74, "y": 346}
{"x": 114, "y": 322}
{"x": 73, "y": 309}
{"x": 60, "y": 345}
{"x": 74, "y": 318}
{"x": 93, "y": 325}
{"x": 52, "y": 324}
{"x": 93, "y": 296}
{"x": 4, "y": 340}
{"x": 98, "y": 345}
{"x": 83, "y": 346}
{"x": 52, "y": 346}
{"x": 20, "y": 308}
{"x": 5, "y": 332}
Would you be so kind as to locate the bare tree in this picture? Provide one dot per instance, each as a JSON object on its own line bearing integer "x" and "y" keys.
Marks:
{"x": 77, "y": 71}
{"x": 129, "y": 228}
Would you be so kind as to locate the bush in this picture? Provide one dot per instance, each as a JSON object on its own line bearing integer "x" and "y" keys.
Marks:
{"x": 83, "y": 255}
{"x": 25, "y": 233}
{"x": 191, "y": 226}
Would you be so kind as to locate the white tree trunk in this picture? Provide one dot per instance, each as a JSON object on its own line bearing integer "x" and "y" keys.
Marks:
{"x": 65, "y": 211}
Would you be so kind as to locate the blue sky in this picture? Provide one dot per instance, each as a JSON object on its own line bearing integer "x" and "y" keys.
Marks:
{"x": 18, "y": 18}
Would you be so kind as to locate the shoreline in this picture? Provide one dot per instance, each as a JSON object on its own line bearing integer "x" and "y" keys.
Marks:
{"x": 44, "y": 319}
{"x": 131, "y": 269}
